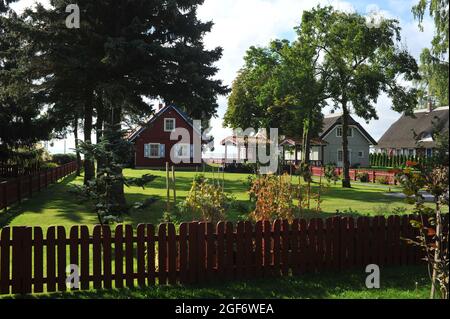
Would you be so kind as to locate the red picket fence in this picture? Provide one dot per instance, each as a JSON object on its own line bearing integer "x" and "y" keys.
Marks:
{"x": 373, "y": 174}
{"x": 198, "y": 252}
{"x": 15, "y": 190}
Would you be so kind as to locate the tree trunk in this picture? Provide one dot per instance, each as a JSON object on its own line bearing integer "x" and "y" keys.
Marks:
{"x": 437, "y": 252}
{"x": 99, "y": 130}
{"x": 89, "y": 168}
{"x": 345, "y": 117}
{"x": 77, "y": 151}
{"x": 117, "y": 193}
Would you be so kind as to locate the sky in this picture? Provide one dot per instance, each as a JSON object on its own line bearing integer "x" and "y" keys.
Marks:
{"x": 239, "y": 24}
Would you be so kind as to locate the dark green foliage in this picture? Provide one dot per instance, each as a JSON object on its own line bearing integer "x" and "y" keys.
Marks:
{"x": 62, "y": 159}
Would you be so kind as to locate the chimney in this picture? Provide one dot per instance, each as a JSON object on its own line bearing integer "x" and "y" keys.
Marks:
{"x": 160, "y": 106}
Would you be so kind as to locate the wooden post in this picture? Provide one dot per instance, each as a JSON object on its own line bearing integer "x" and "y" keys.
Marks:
{"x": 167, "y": 187}
{"x": 174, "y": 185}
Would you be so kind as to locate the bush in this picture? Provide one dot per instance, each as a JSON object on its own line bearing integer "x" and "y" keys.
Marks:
{"x": 331, "y": 174}
{"x": 247, "y": 168}
{"x": 48, "y": 165}
{"x": 274, "y": 198}
{"x": 363, "y": 177}
{"x": 383, "y": 180}
{"x": 62, "y": 159}
{"x": 205, "y": 200}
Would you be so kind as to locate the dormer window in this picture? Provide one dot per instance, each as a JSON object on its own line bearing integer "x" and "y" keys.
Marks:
{"x": 169, "y": 125}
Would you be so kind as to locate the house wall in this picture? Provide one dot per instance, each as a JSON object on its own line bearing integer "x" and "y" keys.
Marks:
{"x": 356, "y": 143}
{"x": 156, "y": 134}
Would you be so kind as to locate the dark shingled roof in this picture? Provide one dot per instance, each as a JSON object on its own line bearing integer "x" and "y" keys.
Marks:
{"x": 331, "y": 121}
{"x": 402, "y": 133}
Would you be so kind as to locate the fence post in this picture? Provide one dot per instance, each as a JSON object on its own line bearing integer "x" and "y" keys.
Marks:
{"x": 374, "y": 177}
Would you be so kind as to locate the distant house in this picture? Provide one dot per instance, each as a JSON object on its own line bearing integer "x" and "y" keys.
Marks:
{"x": 325, "y": 149}
{"x": 414, "y": 135}
{"x": 153, "y": 145}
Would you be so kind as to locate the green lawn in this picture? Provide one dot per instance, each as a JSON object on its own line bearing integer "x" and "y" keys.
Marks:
{"x": 396, "y": 283}
{"x": 57, "y": 205}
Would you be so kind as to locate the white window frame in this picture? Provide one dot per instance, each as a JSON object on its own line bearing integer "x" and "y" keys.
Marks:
{"x": 150, "y": 150}
{"x": 342, "y": 131}
{"x": 174, "y": 124}
{"x": 183, "y": 145}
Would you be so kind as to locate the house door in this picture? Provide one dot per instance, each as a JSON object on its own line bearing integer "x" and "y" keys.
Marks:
{"x": 340, "y": 158}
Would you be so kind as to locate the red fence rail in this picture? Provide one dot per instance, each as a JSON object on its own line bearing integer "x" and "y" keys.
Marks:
{"x": 374, "y": 175}
{"x": 15, "y": 190}
{"x": 198, "y": 252}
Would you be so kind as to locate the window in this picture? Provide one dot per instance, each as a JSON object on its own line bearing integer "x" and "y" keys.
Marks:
{"x": 169, "y": 125}
{"x": 361, "y": 154}
{"x": 182, "y": 150}
{"x": 339, "y": 131}
{"x": 411, "y": 152}
{"x": 152, "y": 150}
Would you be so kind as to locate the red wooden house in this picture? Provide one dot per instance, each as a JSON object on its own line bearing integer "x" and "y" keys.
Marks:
{"x": 153, "y": 144}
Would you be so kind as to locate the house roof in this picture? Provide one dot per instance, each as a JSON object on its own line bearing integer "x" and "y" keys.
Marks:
{"x": 408, "y": 130}
{"x": 138, "y": 131}
{"x": 331, "y": 121}
{"x": 293, "y": 142}
{"x": 241, "y": 140}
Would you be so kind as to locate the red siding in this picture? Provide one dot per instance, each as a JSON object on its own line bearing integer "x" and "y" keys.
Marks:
{"x": 156, "y": 134}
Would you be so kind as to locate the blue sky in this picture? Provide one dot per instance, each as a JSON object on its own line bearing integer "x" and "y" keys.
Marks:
{"x": 240, "y": 24}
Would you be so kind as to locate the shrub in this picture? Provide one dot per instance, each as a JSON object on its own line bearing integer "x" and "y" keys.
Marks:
{"x": 48, "y": 165}
{"x": 62, "y": 159}
{"x": 274, "y": 198}
{"x": 205, "y": 200}
{"x": 363, "y": 177}
{"x": 331, "y": 174}
{"x": 383, "y": 180}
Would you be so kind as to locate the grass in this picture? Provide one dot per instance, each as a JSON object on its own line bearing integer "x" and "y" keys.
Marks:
{"x": 396, "y": 283}
{"x": 57, "y": 205}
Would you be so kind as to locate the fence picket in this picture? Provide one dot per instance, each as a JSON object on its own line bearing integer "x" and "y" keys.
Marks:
{"x": 240, "y": 251}
{"x": 259, "y": 255}
{"x": 172, "y": 254}
{"x": 211, "y": 254}
{"x": 150, "y": 255}
{"x": 276, "y": 248}
{"x": 220, "y": 250}
{"x": 107, "y": 258}
{"x": 229, "y": 260}
{"x": 129, "y": 256}
{"x": 61, "y": 249}
{"x": 51, "y": 260}
{"x": 118, "y": 256}
{"x": 201, "y": 252}
{"x": 38, "y": 260}
{"x": 183, "y": 261}
{"x": 97, "y": 256}
{"x": 84, "y": 257}
{"x": 162, "y": 254}
{"x": 285, "y": 246}
{"x": 141, "y": 255}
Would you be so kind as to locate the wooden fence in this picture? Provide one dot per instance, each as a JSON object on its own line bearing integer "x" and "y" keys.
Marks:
{"x": 373, "y": 174}
{"x": 9, "y": 171}
{"x": 15, "y": 190}
{"x": 198, "y": 252}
